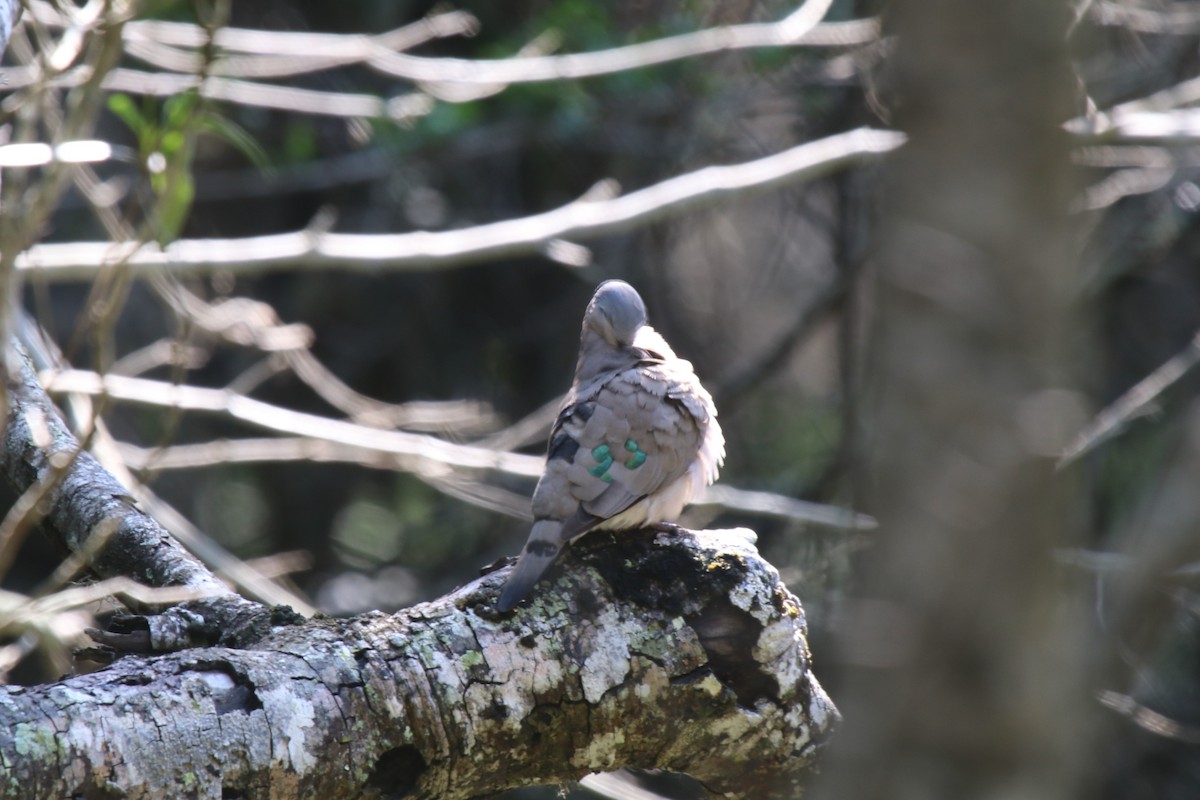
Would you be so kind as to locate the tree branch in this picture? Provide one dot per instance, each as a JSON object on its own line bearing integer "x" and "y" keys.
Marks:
{"x": 582, "y": 219}
{"x": 800, "y": 27}
{"x": 678, "y": 651}
{"x": 1135, "y": 402}
{"x": 324, "y": 439}
{"x": 96, "y": 519}
{"x": 9, "y": 11}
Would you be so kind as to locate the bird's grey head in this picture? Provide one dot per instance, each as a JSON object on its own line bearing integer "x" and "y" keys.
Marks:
{"x": 616, "y": 312}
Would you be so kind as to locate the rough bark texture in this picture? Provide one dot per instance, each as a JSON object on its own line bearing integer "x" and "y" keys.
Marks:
{"x": 676, "y": 651}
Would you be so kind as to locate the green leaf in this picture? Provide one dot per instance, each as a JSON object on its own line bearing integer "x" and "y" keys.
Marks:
{"x": 174, "y": 208}
{"x": 172, "y": 142}
{"x": 124, "y": 109}
{"x": 179, "y": 108}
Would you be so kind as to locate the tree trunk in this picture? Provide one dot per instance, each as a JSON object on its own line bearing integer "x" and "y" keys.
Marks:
{"x": 965, "y": 667}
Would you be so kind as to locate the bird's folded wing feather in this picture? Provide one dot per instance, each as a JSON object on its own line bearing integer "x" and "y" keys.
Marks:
{"x": 628, "y": 437}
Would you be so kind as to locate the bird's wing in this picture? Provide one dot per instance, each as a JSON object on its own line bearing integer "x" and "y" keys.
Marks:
{"x": 630, "y": 437}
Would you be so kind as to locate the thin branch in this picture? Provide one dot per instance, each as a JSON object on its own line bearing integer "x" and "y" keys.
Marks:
{"x": 531, "y": 429}
{"x": 777, "y": 505}
{"x": 1148, "y": 719}
{"x": 9, "y": 11}
{"x": 419, "y": 452}
{"x": 251, "y": 582}
{"x": 90, "y": 506}
{"x": 280, "y": 43}
{"x": 255, "y": 450}
{"x": 278, "y": 54}
{"x": 1134, "y": 403}
{"x": 252, "y": 323}
{"x": 240, "y": 451}
{"x": 29, "y": 610}
{"x": 764, "y": 364}
{"x": 1181, "y": 19}
{"x": 286, "y": 54}
{"x": 1121, "y": 184}
{"x": 248, "y": 581}
{"x": 523, "y": 236}
{"x": 402, "y": 108}
{"x": 1099, "y": 562}
{"x": 800, "y": 28}
{"x": 463, "y": 417}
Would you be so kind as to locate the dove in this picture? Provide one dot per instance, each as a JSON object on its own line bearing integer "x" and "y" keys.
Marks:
{"x": 636, "y": 438}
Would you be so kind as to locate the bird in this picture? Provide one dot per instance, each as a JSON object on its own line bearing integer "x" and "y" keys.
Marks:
{"x": 636, "y": 438}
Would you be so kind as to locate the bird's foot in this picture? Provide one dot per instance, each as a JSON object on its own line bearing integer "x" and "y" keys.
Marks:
{"x": 666, "y": 527}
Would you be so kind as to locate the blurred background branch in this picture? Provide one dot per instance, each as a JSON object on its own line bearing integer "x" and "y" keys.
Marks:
{"x": 584, "y": 218}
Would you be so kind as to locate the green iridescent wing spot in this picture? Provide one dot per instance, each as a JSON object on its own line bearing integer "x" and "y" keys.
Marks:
{"x": 639, "y": 456}
{"x": 604, "y": 461}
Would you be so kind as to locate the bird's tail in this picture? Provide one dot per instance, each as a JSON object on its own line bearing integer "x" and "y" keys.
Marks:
{"x": 545, "y": 542}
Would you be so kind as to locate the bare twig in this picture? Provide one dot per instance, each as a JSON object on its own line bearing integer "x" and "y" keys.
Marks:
{"x": 248, "y": 581}
{"x": 257, "y": 450}
{"x": 238, "y": 451}
{"x": 533, "y": 428}
{"x": 89, "y": 505}
{"x": 292, "y": 54}
{"x": 284, "y": 54}
{"x": 800, "y": 28}
{"x": 1181, "y": 19}
{"x": 445, "y": 249}
{"x": 764, "y": 364}
{"x": 278, "y": 54}
{"x": 29, "y": 508}
{"x": 777, "y": 505}
{"x": 421, "y": 452}
{"x": 252, "y": 323}
{"x": 1104, "y": 563}
{"x": 26, "y": 205}
{"x": 349, "y": 48}
{"x": 463, "y": 417}
{"x": 1148, "y": 719}
{"x": 401, "y": 108}
{"x": 1133, "y": 403}
{"x": 308, "y": 44}
{"x": 9, "y": 11}
{"x": 23, "y": 613}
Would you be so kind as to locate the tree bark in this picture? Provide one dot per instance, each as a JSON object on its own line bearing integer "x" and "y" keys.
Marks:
{"x": 673, "y": 651}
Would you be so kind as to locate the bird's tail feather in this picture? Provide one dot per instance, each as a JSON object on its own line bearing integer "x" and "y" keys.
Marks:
{"x": 545, "y": 542}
